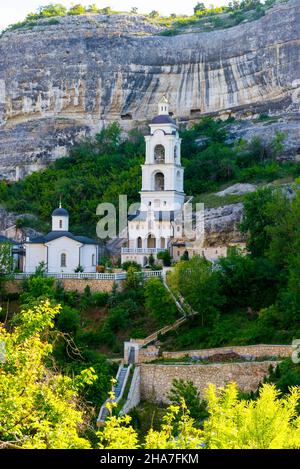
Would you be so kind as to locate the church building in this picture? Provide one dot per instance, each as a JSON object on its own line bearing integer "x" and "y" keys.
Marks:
{"x": 158, "y": 220}
{"x": 60, "y": 251}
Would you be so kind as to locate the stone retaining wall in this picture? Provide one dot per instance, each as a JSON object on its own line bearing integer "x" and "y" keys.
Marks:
{"x": 81, "y": 284}
{"x": 156, "y": 380}
{"x": 15, "y": 286}
{"x": 257, "y": 351}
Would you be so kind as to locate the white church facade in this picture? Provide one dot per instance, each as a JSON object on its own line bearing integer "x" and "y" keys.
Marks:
{"x": 158, "y": 220}
{"x": 60, "y": 251}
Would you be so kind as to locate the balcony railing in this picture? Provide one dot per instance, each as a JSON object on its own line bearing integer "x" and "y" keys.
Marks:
{"x": 141, "y": 250}
{"x": 89, "y": 276}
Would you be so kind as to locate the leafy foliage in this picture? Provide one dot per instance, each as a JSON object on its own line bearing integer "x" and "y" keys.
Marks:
{"x": 269, "y": 422}
{"x": 38, "y": 408}
{"x": 158, "y": 302}
{"x": 100, "y": 169}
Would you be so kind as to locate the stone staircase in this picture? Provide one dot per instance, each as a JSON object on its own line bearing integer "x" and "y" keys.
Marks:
{"x": 123, "y": 372}
{"x": 118, "y": 390}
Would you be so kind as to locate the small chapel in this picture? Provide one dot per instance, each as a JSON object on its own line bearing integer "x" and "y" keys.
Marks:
{"x": 59, "y": 250}
{"x": 158, "y": 221}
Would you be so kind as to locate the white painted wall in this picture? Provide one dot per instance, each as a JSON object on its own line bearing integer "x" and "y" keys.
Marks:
{"x": 35, "y": 254}
{"x": 60, "y": 223}
{"x": 59, "y": 246}
{"x": 86, "y": 257}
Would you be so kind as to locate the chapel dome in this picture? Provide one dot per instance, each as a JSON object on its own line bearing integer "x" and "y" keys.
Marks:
{"x": 60, "y": 212}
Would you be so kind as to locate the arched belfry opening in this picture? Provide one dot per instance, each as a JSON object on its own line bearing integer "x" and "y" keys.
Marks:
{"x": 159, "y": 182}
{"x": 159, "y": 154}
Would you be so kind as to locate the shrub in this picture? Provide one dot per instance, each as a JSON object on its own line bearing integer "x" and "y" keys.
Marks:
{"x": 135, "y": 265}
{"x": 165, "y": 256}
{"x": 100, "y": 299}
{"x": 68, "y": 320}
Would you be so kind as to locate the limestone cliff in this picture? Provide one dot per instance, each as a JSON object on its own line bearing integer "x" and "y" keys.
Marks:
{"x": 64, "y": 79}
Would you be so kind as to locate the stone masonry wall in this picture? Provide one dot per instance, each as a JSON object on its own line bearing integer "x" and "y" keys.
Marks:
{"x": 156, "y": 380}
{"x": 257, "y": 351}
{"x": 80, "y": 285}
{"x": 15, "y": 286}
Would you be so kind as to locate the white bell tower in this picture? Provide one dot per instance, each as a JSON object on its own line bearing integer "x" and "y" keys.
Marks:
{"x": 162, "y": 196}
{"x": 162, "y": 173}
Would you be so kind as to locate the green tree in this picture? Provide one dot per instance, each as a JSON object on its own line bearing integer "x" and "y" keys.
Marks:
{"x": 38, "y": 408}
{"x": 77, "y": 10}
{"x": 269, "y": 422}
{"x": 262, "y": 209}
{"x": 247, "y": 282}
{"x": 187, "y": 391}
{"x": 199, "y": 8}
{"x": 198, "y": 283}
{"x": 46, "y": 11}
{"x": 158, "y": 302}
{"x": 154, "y": 14}
{"x": 68, "y": 320}
{"x": 6, "y": 258}
{"x": 165, "y": 256}
{"x": 37, "y": 288}
{"x": 93, "y": 8}
{"x": 109, "y": 138}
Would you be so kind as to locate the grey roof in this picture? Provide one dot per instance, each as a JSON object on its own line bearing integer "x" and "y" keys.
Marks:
{"x": 60, "y": 212}
{"x": 60, "y": 234}
{"x": 163, "y": 119}
{"x": 158, "y": 216}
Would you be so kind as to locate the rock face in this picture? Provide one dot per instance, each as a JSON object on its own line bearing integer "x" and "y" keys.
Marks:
{"x": 67, "y": 78}
{"x": 222, "y": 225}
{"x": 9, "y": 226}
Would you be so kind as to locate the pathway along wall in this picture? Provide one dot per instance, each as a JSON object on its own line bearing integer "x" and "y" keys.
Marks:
{"x": 156, "y": 380}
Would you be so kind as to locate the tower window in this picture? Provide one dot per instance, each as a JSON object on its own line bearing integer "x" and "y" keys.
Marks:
{"x": 60, "y": 223}
{"x": 159, "y": 182}
{"x": 93, "y": 259}
{"x": 159, "y": 154}
{"x": 63, "y": 260}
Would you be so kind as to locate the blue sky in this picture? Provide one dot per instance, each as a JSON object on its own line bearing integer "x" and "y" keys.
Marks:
{"x": 13, "y": 11}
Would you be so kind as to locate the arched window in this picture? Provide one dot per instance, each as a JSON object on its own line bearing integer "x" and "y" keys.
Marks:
{"x": 175, "y": 154}
{"x": 159, "y": 182}
{"x": 60, "y": 223}
{"x": 139, "y": 242}
{"x": 162, "y": 243}
{"x": 159, "y": 154}
{"x": 63, "y": 260}
{"x": 151, "y": 242}
{"x": 93, "y": 259}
